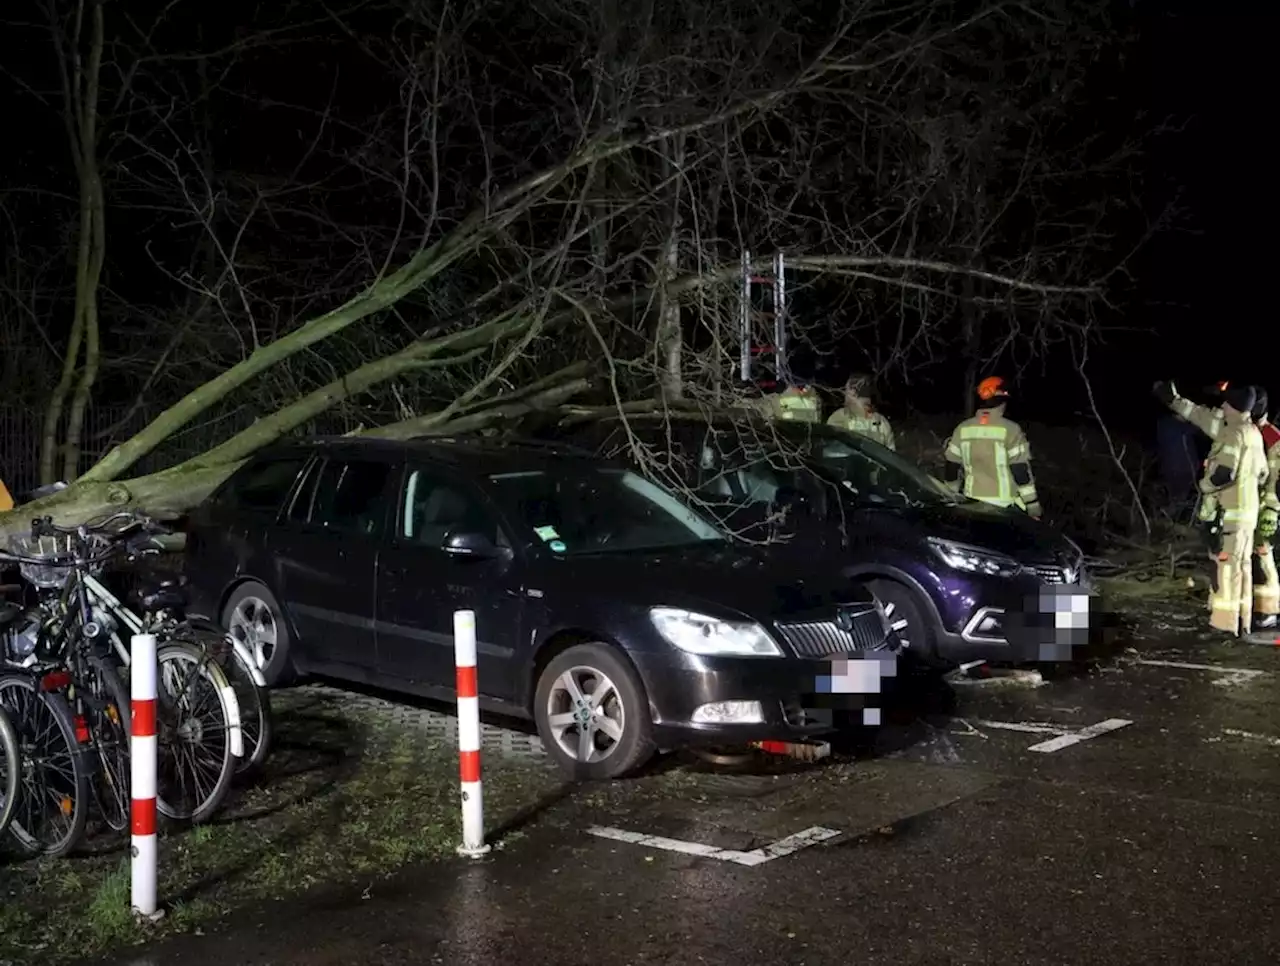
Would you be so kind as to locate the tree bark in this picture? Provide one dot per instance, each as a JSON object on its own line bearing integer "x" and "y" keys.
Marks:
{"x": 81, "y": 119}
{"x": 173, "y": 492}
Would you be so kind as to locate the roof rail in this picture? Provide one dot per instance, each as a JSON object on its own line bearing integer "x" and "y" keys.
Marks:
{"x": 511, "y": 442}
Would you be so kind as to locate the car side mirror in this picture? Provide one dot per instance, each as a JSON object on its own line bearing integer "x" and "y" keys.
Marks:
{"x": 466, "y": 543}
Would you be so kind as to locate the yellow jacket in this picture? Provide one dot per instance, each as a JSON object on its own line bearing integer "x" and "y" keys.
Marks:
{"x": 6, "y": 500}
{"x": 865, "y": 421}
{"x": 1209, "y": 420}
{"x": 996, "y": 460}
{"x": 1235, "y": 472}
{"x": 802, "y": 405}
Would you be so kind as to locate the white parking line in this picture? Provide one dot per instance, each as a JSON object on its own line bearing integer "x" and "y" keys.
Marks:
{"x": 1252, "y": 736}
{"x": 1230, "y": 675}
{"x": 786, "y": 846}
{"x": 1029, "y": 727}
{"x": 1084, "y": 734}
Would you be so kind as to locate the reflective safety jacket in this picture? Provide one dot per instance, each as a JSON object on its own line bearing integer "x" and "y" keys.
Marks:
{"x": 864, "y": 420}
{"x": 1236, "y": 472}
{"x": 801, "y": 405}
{"x": 1210, "y": 421}
{"x": 995, "y": 460}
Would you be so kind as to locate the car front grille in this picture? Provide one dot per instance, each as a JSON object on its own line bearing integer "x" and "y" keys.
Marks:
{"x": 1059, "y": 575}
{"x": 1050, "y": 575}
{"x": 824, "y": 638}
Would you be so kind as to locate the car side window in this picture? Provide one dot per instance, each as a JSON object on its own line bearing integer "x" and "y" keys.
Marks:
{"x": 350, "y": 497}
{"x": 735, "y": 477}
{"x": 260, "y": 487}
{"x": 432, "y": 508}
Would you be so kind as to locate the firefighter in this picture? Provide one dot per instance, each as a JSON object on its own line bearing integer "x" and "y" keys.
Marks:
{"x": 1204, "y": 418}
{"x": 799, "y": 403}
{"x": 858, "y": 415}
{"x": 1234, "y": 476}
{"x": 1266, "y": 588}
{"x": 1265, "y": 579}
{"x": 988, "y": 456}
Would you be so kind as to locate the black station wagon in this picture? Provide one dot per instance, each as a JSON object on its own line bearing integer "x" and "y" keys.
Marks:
{"x": 607, "y": 610}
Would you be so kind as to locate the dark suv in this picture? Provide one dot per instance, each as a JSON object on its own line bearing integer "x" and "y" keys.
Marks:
{"x": 606, "y": 609}
{"x": 961, "y": 580}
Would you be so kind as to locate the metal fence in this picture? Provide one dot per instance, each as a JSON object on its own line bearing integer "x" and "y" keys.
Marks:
{"x": 21, "y": 429}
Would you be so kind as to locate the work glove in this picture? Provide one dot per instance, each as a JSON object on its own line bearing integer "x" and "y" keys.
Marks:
{"x": 1166, "y": 392}
{"x": 1267, "y": 523}
{"x": 1208, "y": 511}
{"x": 1034, "y": 510}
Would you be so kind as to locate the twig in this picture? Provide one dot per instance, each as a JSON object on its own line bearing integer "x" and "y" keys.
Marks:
{"x": 1081, "y": 358}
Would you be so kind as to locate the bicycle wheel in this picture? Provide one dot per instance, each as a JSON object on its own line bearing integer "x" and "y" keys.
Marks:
{"x": 254, "y": 701}
{"x": 194, "y": 716}
{"x": 10, "y": 774}
{"x": 53, "y": 802}
{"x": 107, "y": 717}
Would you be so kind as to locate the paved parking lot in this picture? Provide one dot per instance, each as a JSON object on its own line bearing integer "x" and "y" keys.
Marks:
{"x": 1128, "y": 816}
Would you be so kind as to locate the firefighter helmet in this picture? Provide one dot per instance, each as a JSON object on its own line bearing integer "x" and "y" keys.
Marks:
{"x": 991, "y": 388}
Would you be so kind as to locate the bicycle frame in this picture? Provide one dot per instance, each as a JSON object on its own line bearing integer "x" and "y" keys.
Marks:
{"x": 101, "y": 596}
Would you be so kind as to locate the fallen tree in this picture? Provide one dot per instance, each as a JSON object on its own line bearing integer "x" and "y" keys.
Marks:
{"x": 564, "y": 263}
{"x": 171, "y": 493}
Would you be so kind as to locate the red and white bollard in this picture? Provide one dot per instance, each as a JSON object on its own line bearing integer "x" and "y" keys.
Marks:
{"x": 142, "y": 769}
{"x": 464, "y": 651}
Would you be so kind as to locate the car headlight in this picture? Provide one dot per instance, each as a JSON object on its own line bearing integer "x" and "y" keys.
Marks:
{"x": 974, "y": 559}
{"x": 712, "y": 637}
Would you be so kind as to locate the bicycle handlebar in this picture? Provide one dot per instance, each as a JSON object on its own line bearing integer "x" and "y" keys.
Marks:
{"x": 131, "y": 520}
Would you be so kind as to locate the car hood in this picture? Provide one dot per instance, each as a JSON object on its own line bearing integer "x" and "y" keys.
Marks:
{"x": 723, "y": 582}
{"x": 1007, "y": 531}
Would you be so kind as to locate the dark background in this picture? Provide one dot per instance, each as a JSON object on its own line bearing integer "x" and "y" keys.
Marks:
{"x": 1196, "y": 310}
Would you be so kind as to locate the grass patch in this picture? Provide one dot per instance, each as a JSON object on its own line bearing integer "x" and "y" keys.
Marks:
{"x": 349, "y": 798}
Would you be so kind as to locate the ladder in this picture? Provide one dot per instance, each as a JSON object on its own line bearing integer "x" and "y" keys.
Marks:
{"x": 762, "y": 325}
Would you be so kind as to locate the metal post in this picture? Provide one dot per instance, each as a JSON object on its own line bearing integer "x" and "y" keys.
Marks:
{"x": 464, "y": 651}
{"x": 142, "y": 773}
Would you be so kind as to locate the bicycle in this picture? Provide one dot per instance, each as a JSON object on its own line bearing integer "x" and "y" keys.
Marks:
{"x": 51, "y": 811}
{"x": 196, "y": 706}
{"x": 10, "y": 771}
{"x": 162, "y": 615}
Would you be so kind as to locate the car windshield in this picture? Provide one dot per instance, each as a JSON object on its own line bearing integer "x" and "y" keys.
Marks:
{"x": 874, "y": 473}
{"x": 601, "y": 511}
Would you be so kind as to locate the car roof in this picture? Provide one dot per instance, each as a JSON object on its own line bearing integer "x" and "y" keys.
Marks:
{"x": 476, "y": 455}
{"x": 717, "y": 419}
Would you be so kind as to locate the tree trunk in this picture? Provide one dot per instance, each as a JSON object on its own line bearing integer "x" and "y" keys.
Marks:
{"x": 174, "y": 492}
{"x": 669, "y": 340}
{"x": 81, "y": 108}
{"x": 972, "y": 346}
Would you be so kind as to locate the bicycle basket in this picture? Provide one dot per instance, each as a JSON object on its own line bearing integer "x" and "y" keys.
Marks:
{"x": 47, "y": 560}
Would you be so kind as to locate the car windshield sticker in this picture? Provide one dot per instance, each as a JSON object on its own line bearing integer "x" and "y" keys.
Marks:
{"x": 557, "y": 546}
{"x": 546, "y": 533}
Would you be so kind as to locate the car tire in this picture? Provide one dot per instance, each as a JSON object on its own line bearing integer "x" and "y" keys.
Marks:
{"x": 626, "y": 705}
{"x": 253, "y": 614}
{"x": 906, "y": 616}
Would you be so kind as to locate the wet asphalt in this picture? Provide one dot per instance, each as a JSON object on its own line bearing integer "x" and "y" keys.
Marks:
{"x": 1152, "y": 843}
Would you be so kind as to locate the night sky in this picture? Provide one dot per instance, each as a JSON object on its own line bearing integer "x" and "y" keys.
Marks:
{"x": 1198, "y": 282}
{"x": 1207, "y": 282}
